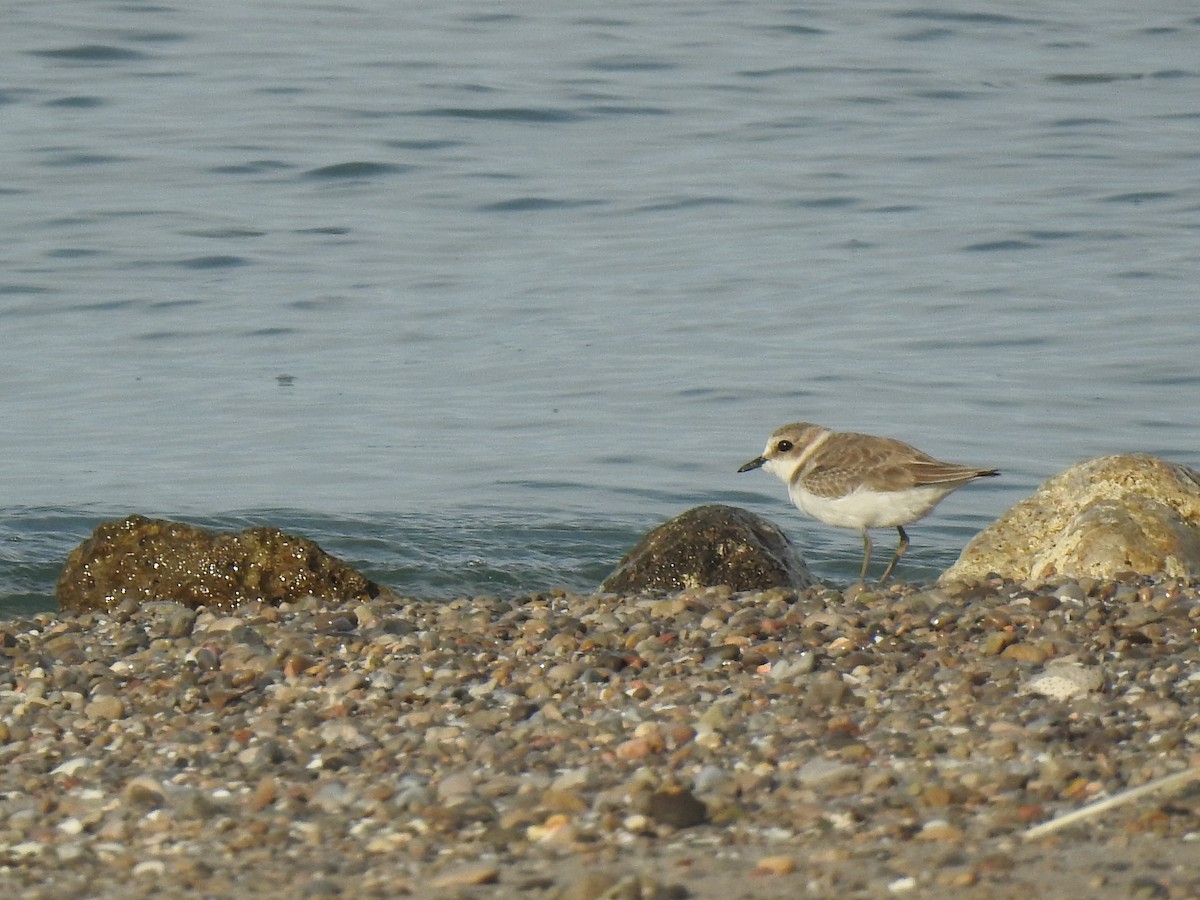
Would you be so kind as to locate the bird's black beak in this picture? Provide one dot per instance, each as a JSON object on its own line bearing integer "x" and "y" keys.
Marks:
{"x": 753, "y": 464}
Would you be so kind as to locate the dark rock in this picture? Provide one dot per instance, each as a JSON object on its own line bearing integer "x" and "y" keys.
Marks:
{"x": 677, "y": 807}
{"x": 139, "y": 560}
{"x": 708, "y": 546}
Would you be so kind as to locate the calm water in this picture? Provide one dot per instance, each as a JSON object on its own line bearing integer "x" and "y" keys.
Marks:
{"x": 473, "y": 294}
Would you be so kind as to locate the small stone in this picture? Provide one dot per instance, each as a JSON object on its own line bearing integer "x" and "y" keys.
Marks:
{"x": 636, "y": 748}
{"x": 1045, "y": 603}
{"x": 563, "y": 673}
{"x": 1065, "y": 681}
{"x": 73, "y": 766}
{"x": 323, "y": 887}
{"x": 1071, "y": 591}
{"x": 557, "y": 829}
{"x": 331, "y": 797}
{"x": 145, "y": 792}
{"x": 820, "y": 771}
{"x": 793, "y": 667}
{"x": 468, "y": 875}
{"x": 105, "y": 708}
{"x": 263, "y": 795}
{"x": 169, "y": 620}
{"x": 563, "y": 801}
{"x": 455, "y": 787}
{"x": 71, "y": 826}
{"x": 344, "y": 684}
{"x": 994, "y": 643}
{"x": 936, "y": 795}
{"x": 1027, "y": 653}
{"x": 677, "y": 807}
{"x": 939, "y": 830}
{"x": 775, "y": 865}
{"x": 589, "y": 886}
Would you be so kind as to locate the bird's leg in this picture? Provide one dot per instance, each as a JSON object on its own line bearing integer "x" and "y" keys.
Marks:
{"x": 862, "y": 576}
{"x": 900, "y": 548}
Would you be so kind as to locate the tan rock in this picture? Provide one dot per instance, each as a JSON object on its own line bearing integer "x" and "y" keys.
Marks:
{"x": 939, "y": 830}
{"x": 775, "y": 865}
{"x": 105, "y": 708}
{"x": 468, "y": 875}
{"x": 1108, "y": 515}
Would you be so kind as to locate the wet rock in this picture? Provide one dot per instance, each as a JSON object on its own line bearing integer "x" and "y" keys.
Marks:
{"x": 141, "y": 560}
{"x": 708, "y": 546}
{"x": 1106, "y": 516}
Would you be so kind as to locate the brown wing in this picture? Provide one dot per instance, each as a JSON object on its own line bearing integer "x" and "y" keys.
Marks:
{"x": 849, "y": 460}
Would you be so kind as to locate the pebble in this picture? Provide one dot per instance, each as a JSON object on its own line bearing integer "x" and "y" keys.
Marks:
{"x": 1066, "y": 681}
{"x": 775, "y": 865}
{"x": 105, "y": 708}
{"x": 375, "y": 748}
{"x": 676, "y": 807}
{"x": 467, "y": 876}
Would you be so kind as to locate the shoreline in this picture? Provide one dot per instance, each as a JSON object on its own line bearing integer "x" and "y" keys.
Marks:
{"x": 706, "y": 744}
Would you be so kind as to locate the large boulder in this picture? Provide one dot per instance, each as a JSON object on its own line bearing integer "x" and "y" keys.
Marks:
{"x": 707, "y": 546}
{"x": 151, "y": 559}
{"x": 1105, "y": 516}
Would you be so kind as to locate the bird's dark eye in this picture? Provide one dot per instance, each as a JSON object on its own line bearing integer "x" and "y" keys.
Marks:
{"x": 784, "y": 446}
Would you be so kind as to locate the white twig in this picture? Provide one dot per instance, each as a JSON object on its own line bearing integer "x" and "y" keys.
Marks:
{"x": 1173, "y": 782}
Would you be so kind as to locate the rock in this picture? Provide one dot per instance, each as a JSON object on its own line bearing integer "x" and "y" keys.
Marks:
{"x": 1065, "y": 680}
{"x": 1102, "y": 517}
{"x": 611, "y": 886}
{"x": 105, "y": 708}
{"x": 775, "y": 865}
{"x": 142, "y": 560}
{"x": 170, "y": 620}
{"x": 820, "y": 772}
{"x": 676, "y": 807}
{"x": 709, "y": 546}
{"x": 939, "y": 830}
{"x": 589, "y": 886}
{"x": 455, "y": 788}
{"x": 468, "y": 875}
{"x": 144, "y": 792}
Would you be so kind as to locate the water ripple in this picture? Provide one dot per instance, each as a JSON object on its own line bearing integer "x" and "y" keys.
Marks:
{"x": 349, "y": 170}
{"x": 503, "y": 114}
{"x": 91, "y": 53}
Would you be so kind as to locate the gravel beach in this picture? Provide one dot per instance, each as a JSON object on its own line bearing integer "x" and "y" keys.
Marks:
{"x": 878, "y": 743}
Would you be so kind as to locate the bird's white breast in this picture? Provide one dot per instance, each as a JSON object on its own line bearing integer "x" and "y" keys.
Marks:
{"x": 864, "y": 508}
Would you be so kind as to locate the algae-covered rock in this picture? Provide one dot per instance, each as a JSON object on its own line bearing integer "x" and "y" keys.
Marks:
{"x": 152, "y": 559}
{"x": 708, "y": 546}
{"x": 1099, "y": 518}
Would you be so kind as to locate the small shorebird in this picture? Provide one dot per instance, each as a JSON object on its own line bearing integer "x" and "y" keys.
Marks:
{"x": 860, "y": 481}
